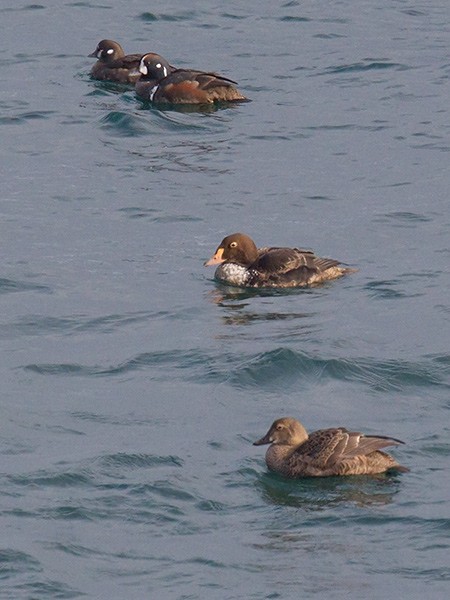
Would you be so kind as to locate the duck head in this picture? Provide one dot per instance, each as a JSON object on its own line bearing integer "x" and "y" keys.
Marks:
{"x": 286, "y": 431}
{"x": 108, "y": 50}
{"x": 237, "y": 248}
{"x": 154, "y": 67}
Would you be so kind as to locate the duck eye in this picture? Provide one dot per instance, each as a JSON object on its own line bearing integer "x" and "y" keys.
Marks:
{"x": 279, "y": 427}
{"x": 233, "y": 244}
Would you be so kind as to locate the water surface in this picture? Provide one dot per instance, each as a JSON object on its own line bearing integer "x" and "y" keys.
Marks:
{"x": 133, "y": 385}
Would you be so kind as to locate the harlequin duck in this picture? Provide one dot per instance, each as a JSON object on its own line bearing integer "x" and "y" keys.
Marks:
{"x": 163, "y": 84}
{"x": 241, "y": 263}
{"x": 113, "y": 64}
{"x": 327, "y": 452}
{"x": 150, "y": 76}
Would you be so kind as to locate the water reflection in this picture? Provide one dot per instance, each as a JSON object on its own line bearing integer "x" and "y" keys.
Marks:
{"x": 187, "y": 108}
{"x": 227, "y": 292}
{"x": 236, "y": 309}
{"x": 239, "y": 316}
{"x": 315, "y": 494}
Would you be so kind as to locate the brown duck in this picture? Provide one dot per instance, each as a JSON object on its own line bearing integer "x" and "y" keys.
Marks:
{"x": 113, "y": 64}
{"x": 241, "y": 263}
{"x": 327, "y": 452}
{"x": 161, "y": 83}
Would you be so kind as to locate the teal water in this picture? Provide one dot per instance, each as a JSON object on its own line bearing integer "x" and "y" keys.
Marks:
{"x": 133, "y": 385}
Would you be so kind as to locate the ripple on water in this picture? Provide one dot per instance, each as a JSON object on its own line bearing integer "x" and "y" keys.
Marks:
{"x": 138, "y": 488}
{"x": 365, "y": 65}
{"x": 122, "y": 460}
{"x": 186, "y": 15}
{"x": 22, "y": 118}
{"x": 124, "y": 124}
{"x": 8, "y": 286}
{"x": 402, "y": 219}
{"x": 13, "y": 562}
{"x": 44, "y": 589}
{"x": 388, "y": 290}
{"x": 34, "y": 325}
{"x": 266, "y": 369}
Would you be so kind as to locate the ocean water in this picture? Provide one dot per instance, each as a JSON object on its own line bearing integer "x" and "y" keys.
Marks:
{"x": 133, "y": 385}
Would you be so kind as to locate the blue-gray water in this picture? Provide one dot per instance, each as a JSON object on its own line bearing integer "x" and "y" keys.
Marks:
{"x": 133, "y": 385}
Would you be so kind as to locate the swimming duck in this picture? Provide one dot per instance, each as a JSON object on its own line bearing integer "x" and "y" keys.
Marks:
{"x": 241, "y": 263}
{"x": 152, "y": 69}
{"x": 113, "y": 64}
{"x": 294, "y": 454}
{"x": 162, "y": 83}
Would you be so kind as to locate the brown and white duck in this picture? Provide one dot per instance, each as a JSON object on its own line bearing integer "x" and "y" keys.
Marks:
{"x": 161, "y": 83}
{"x": 327, "y": 452}
{"x": 242, "y": 264}
{"x": 113, "y": 64}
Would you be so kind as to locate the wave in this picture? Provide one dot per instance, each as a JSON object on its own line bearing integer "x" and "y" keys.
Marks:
{"x": 269, "y": 369}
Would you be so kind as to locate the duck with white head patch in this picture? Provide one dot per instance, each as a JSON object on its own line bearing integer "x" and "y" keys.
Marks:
{"x": 113, "y": 64}
{"x": 163, "y": 84}
{"x": 153, "y": 69}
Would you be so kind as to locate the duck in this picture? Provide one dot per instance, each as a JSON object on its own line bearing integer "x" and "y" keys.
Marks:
{"x": 113, "y": 64}
{"x": 161, "y": 83}
{"x": 152, "y": 69}
{"x": 242, "y": 264}
{"x": 327, "y": 452}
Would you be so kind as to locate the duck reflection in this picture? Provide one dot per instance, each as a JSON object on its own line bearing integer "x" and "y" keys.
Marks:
{"x": 187, "y": 108}
{"x": 227, "y": 292}
{"x": 237, "y": 312}
{"x": 315, "y": 494}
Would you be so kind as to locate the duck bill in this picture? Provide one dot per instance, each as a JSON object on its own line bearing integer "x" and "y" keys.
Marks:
{"x": 264, "y": 440}
{"x": 93, "y": 54}
{"x": 216, "y": 259}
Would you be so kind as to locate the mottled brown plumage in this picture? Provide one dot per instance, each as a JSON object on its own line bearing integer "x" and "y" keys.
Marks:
{"x": 242, "y": 263}
{"x": 337, "y": 451}
{"x": 113, "y": 64}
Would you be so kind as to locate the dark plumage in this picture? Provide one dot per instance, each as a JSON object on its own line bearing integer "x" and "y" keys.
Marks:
{"x": 113, "y": 64}
{"x": 241, "y": 263}
{"x": 326, "y": 452}
{"x": 163, "y": 84}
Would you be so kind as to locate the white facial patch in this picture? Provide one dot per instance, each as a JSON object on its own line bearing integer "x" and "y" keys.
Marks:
{"x": 143, "y": 68}
{"x": 159, "y": 66}
{"x": 153, "y": 92}
{"x": 110, "y": 51}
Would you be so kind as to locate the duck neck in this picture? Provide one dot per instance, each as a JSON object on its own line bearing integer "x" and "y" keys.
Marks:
{"x": 277, "y": 454}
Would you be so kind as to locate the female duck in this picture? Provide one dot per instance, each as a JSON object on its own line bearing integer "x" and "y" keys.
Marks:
{"x": 241, "y": 263}
{"x": 294, "y": 454}
{"x": 113, "y": 64}
{"x": 161, "y": 83}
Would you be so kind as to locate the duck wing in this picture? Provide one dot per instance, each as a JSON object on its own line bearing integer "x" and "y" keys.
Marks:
{"x": 129, "y": 61}
{"x": 287, "y": 267}
{"x": 205, "y": 81}
{"x": 327, "y": 447}
{"x": 323, "y": 448}
{"x": 364, "y": 445}
{"x": 282, "y": 260}
{"x": 322, "y": 264}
